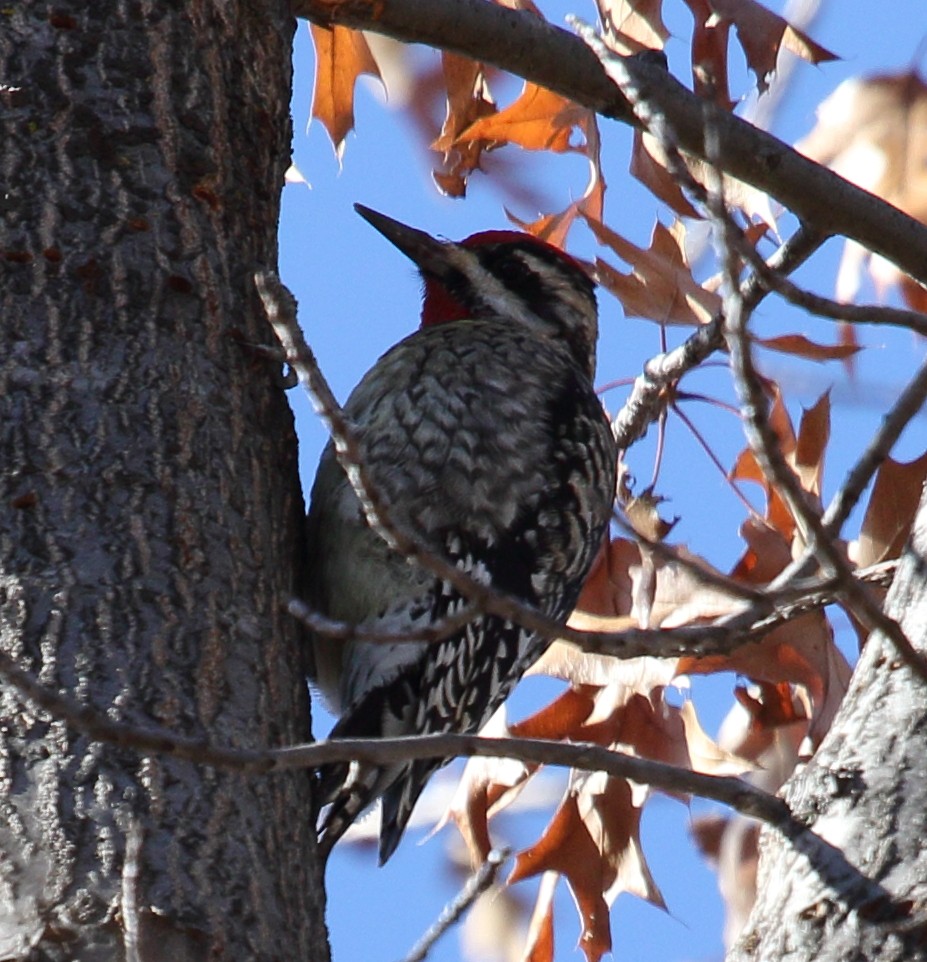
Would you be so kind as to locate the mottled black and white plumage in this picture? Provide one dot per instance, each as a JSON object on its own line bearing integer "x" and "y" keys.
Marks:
{"x": 484, "y": 434}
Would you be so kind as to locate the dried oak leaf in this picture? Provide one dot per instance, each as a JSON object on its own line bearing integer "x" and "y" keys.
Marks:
{"x": 873, "y": 131}
{"x": 633, "y": 25}
{"x": 890, "y": 513}
{"x": 648, "y": 167}
{"x": 710, "y": 37}
{"x": 800, "y": 652}
{"x": 804, "y": 454}
{"x": 487, "y": 786}
{"x": 661, "y": 286}
{"x": 539, "y": 945}
{"x": 800, "y": 346}
{"x": 468, "y": 99}
{"x": 554, "y": 228}
{"x": 538, "y": 120}
{"x": 594, "y": 842}
{"x": 341, "y": 56}
{"x": 762, "y": 33}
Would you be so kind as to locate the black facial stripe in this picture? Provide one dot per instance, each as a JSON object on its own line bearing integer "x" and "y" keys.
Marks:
{"x": 512, "y": 264}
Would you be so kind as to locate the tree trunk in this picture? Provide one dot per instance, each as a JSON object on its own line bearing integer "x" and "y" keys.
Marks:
{"x": 150, "y": 512}
{"x": 865, "y": 791}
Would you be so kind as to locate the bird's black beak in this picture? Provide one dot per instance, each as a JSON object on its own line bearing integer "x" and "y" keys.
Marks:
{"x": 429, "y": 255}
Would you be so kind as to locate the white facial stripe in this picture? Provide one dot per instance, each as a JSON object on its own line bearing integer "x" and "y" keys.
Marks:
{"x": 492, "y": 291}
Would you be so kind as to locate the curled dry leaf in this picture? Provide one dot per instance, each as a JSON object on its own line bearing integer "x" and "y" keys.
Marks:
{"x": 486, "y": 786}
{"x": 538, "y": 120}
{"x": 648, "y": 166}
{"x": 539, "y": 946}
{"x": 554, "y": 228}
{"x": 804, "y": 454}
{"x": 710, "y": 37}
{"x": 800, "y": 652}
{"x": 800, "y": 346}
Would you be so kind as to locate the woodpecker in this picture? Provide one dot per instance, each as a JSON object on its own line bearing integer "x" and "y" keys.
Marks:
{"x": 484, "y": 435}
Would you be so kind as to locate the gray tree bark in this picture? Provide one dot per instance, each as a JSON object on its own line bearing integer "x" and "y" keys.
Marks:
{"x": 865, "y": 792}
{"x": 150, "y": 511}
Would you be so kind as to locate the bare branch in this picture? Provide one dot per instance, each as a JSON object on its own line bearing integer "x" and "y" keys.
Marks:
{"x": 825, "y": 306}
{"x": 478, "y": 883}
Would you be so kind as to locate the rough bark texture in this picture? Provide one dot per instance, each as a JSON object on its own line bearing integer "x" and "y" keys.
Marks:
{"x": 865, "y": 791}
{"x": 150, "y": 513}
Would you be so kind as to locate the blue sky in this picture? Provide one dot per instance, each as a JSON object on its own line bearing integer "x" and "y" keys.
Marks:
{"x": 358, "y": 295}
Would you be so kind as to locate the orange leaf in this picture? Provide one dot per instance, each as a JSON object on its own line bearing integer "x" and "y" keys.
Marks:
{"x": 341, "y": 56}
{"x": 538, "y": 120}
{"x": 486, "y": 787}
{"x": 652, "y": 173}
{"x": 468, "y": 99}
{"x": 539, "y": 945}
{"x": 813, "y": 435}
{"x": 593, "y": 840}
{"x": 709, "y": 54}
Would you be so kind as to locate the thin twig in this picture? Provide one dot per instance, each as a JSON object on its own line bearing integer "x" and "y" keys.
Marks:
{"x": 478, "y": 883}
{"x": 649, "y": 394}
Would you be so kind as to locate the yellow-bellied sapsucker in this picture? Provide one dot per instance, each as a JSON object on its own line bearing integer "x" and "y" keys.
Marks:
{"x": 484, "y": 435}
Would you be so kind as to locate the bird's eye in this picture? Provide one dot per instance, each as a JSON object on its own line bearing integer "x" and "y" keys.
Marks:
{"x": 514, "y": 271}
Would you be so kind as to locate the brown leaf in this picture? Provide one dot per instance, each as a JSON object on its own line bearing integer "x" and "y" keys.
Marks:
{"x": 805, "y": 455}
{"x": 800, "y": 346}
{"x": 648, "y": 167}
{"x": 487, "y": 786}
{"x": 661, "y": 286}
{"x": 593, "y": 841}
{"x": 554, "y": 228}
{"x": 710, "y": 37}
{"x": 800, "y": 652}
{"x": 341, "y": 56}
{"x": 539, "y": 945}
{"x": 633, "y": 25}
{"x": 813, "y": 436}
{"x": 761, "y": 34}
{"x": 468, "y": 99}
{"x": 873, "y": 131}
{"x": 890, "y": 513}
